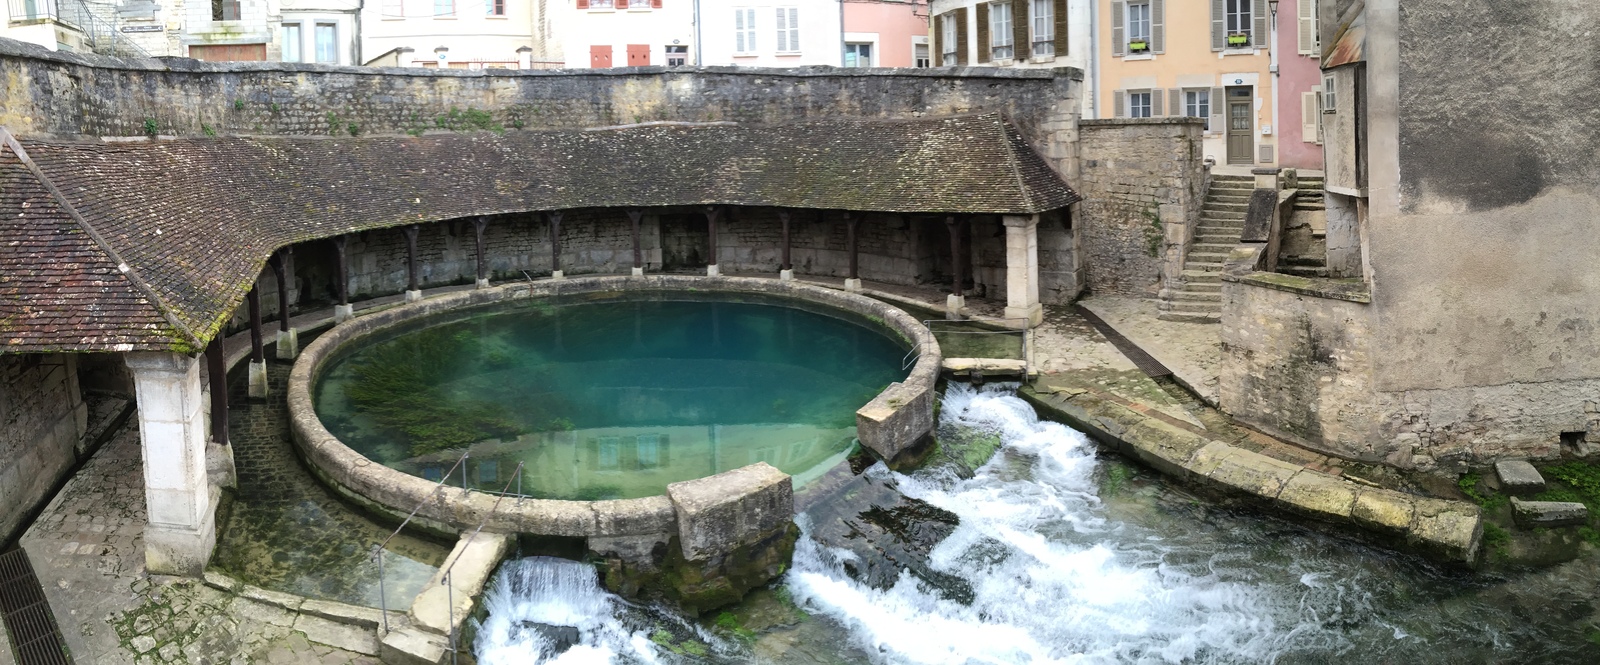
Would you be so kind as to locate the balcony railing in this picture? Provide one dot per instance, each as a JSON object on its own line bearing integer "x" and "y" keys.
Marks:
{"x": 32, "y": 10}
{"x": 101, "y": 34}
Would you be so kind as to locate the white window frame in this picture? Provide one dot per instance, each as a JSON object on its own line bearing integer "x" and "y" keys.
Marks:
{"x": 949, "y": 42}
{"x": 297, "y": 29}
{"x": 921, "y": 55}
{"x": 788, "y": 30}
{"x": 444, "y": 8}
{"x": 1239, "y": 19}
{"x": 744, "y": 30}
{"x": 1043, "y": 17}
{"x": 1135, "y": 33}
{"x": 1330, "y": 94}
{"x": 681, "y": 53}
{"x": 394, "y": 9}
{"x": 1134, "y": 106}
{"x": 1001, "y": 35}
{"x": 1197, "y": 104}
{"x": 333, "y": 45}
{"x": 858, "y": 46}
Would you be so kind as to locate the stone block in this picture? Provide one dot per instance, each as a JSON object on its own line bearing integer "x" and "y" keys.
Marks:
{"x": 1254, "y": 473}
{"x": 1548, "y": 514}
{"x": 1450, "y": 530}
{"x": 1519, "y": 477}
{"x": 288, "y": 344}
{"x": 1319, "y": 495}
{"x": 719, "y": 513}
{"x": 442, "y": 606}
{"x": 896, "y": 420}
{"x": 1384, "y": 511}
{"x": 409, "y": 646}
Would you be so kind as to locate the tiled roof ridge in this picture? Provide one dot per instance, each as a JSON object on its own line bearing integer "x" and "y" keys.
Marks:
{"x": 128, "y": 272}
{"x": 1001, "y": 127}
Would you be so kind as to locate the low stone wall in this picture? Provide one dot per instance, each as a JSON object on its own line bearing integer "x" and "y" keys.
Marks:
{"x": 450, "y": 509}
{"x": 1141, "y": 183}
{"x": 43, "y": 420}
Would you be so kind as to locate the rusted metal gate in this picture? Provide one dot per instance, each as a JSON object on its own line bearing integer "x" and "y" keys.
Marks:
{"x": 35, "y": 637}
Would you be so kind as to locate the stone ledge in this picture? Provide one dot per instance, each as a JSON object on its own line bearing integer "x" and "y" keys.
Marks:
{"x": 1446, "y": 530}
{"x": 1352, "y": 290}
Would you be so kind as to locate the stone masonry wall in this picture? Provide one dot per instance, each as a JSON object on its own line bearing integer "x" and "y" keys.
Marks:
{"x": 1141, "y": 183}
{"x": 64, "y": 94}
{"x": 42, "y": 420}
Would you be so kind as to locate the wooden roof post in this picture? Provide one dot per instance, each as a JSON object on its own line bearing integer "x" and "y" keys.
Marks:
{"x": 258, "y": 356}
{"x": 478, "y": 227}
{"x": 852, "y": 282}
{"x": 413, "y": 290}
{"x": 638, "y": 257}
{"x": 555, "y": 245}
{"x": 217, "y": 376}
{"x": 343, "y": 311}
{"x": 785, "y": 269}
{"x": 957, "y": 298}
{"x": 288, "y": 343}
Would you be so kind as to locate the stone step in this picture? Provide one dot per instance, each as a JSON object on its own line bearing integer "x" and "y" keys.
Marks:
{"x": 1226, "y": 207}
{"x": 1202, "y": 277}
{"x": 1213, "y": 308}
{"x": 1303, "y": 271}
{"x": 1210, "y": 248}
{"x": 1188, "y": 317}
{"x": 1203, "y": 287}
{"x": 1215, "y": 178}
{"x": 1208, "y": 257}
{"x": 1215, "y": 234}
{"x": 1228, "y": 195}
{"x": 1304, "y": 262}
{"x": 1198, "y": 296}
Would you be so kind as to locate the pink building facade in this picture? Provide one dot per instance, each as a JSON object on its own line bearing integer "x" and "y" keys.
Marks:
{"x": 886, "y": 33}
{"x": 1299, "y": 80}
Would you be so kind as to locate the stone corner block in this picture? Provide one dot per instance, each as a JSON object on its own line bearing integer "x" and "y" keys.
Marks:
{"x": 1449, "y": 529}
{"x": 1548, "y": 514}
{"x": 895, "y": 420}
{"x": 719, "y": 513}
{"x": 1519, "y": 477}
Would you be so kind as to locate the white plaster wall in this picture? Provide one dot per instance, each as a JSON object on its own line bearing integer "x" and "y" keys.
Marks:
{"x": 345, "y": 22}
{"x": 470, "y": 36}
{"x": 821, "y": 33}
{"x": 575, "y": 30}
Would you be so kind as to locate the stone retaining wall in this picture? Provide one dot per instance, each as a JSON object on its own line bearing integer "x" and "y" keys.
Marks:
{"x": 43, "y": 420}
{"x": 450, "y": 509}
{"x": 1141, "y": 184}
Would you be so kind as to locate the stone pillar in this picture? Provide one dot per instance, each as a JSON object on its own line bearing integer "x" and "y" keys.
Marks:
{"x": 343, "y": 311}
{"x": 957, "y": 299}
{"x": 1022, "y": 268}
{"x": 478, "y": 226}
{"x": 178, "y": 499}
{"x": 555, "y": 245}
{"x": 785, "y": 269}
{"x": 288, "y": 342}
{"x": 258, "y": 356}
{"x": 712, "y": 213}
{"x": 413, "y": 289}
{"x": 852, "y": 281}
{"x": 638, "y": 256}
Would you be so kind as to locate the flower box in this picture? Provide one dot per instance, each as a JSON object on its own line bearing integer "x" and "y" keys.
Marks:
{"x": 1239, "y": 39}
{"x": 1138, "y": 46}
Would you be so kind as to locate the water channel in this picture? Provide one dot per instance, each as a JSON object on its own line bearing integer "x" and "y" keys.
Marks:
{"x": 1055, "y": 552}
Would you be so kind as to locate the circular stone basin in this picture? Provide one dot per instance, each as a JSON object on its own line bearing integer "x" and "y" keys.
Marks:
{"x": 610, "y": 395}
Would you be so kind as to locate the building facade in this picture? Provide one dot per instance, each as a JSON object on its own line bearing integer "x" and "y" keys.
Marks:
{"x": 771, "y": 33}
{"x": 1015, "y": 33}
{"x": 1297, "y": 58}
{"x": 886, "y": 33}
{"x": 616, "y": 33}
{"x": 451, "y": 34}
{"x": 320, "y": 31}
{"x": 1206, "y": 60}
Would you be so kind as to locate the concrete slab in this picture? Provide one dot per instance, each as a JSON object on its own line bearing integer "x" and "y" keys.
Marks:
{"x": 1193, "y": 351}
{"x": 719, "y": 513}
{"x": 449, "y": 597}
{"x": 1254, "y": 473}
{"x": 1518, "y": 477}
{"x": 1319, "y": 495}
{"x": 338, "y": 635}
{"x": 1383, "y": 511}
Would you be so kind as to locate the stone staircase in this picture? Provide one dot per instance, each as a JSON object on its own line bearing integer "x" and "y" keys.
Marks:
{"x": 1314, "y": 264}
{"x": 1221, "y": 222}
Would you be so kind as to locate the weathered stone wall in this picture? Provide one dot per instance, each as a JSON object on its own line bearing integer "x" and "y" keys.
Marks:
{"x": 42, "y": 421}
{"x": 1141, "y": 182}
{"x": 67, "y": 94}
{"x": 1300, "y": 367}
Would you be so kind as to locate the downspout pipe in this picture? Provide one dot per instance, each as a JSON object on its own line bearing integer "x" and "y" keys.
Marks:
{"x": 698, "y": 59}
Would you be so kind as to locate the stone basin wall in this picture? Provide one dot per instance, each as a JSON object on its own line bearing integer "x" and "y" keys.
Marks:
{"x": 741, "y": 504}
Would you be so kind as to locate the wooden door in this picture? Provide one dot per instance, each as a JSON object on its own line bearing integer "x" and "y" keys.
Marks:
{"x": 1241, "y": 126}
{"x": 638, "y": 55}
{"x": 600, "y": 57}
{"x": 229, "y": 52}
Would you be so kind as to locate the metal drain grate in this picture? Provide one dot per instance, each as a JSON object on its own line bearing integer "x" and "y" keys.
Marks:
{"x": 1150, "y": 366}
{"x": 35, "y": 637}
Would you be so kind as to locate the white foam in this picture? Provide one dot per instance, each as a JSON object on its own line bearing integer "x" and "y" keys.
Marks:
{"x": 558, "y": 592}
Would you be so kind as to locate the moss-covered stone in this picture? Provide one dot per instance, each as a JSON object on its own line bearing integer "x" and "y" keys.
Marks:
{"x": 702, "y": 586}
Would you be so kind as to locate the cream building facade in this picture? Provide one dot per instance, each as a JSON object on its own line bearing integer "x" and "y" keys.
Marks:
{"x": 452, "y": 34}
{"x": 1203, "y": 59}
{"x": 614, "y": 33}
{"x": 771, "y": 33}
{"x": 1015, "y": 33}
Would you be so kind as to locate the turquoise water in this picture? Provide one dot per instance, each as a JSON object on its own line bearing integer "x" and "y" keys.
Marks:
{"x": 613, "y": 399}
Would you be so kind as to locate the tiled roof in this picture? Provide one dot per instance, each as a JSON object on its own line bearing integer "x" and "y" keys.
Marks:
{"x": 196, "y": 219}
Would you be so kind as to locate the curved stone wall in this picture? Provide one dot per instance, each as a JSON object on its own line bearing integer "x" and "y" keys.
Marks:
{"x": 906, "y": 405}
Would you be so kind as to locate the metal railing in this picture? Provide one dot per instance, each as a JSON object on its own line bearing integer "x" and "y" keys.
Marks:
{"x": 1023, "y": 331}
{"x": 32, "y": 10}
{"x": 101, "y": 29}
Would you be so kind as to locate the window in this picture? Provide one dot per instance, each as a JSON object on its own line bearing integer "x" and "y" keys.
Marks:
{"x": 1044, "y": 28}
{"x": 291, "y": 42}
{"x": 947, "y": 42}
{"x": 328, "y": 43}
{"x": 648, "y": 450}
{"x": 1000, "y": 34}
{"x": 919, "y": 56}
{"x": 858, "y": 55}
{"x": 1330, "y": 96}
{"x": 496, "y": 7}
{"x": 744, "y": 30}
{"x": 444, "y": 7}
{"x": 1237, "y": 21}
{"x": 394, "y": 8}
{"x": 224, "y": 10}
{"x": 677, "y": 56}
{"x": 788, "y": 29}
{"x": 1139, "y": 104}
{"x": 610, "y": 452}
{"x": 488, "y": 471}
{"x": 1139, "y": 27}
{"x": 1197, "y": 104}
{"x": 597, "y": 4}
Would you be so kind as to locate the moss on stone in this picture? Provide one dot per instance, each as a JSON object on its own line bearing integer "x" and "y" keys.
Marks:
{"x": 702, "y": 586}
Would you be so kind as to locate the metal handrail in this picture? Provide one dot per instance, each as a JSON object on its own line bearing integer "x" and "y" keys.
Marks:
{"x": 377, "y": 550}
{"x": 449, "y": 571}
{"x": 1025, "y": 331}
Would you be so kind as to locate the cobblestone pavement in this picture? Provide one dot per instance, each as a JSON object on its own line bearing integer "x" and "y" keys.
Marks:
{"x": 88, "y": 550}
{"x": 1193, "y": 351}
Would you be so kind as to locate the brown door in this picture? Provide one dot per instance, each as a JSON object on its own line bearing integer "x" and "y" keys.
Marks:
{"x": 600, "y": 57}
{"x": 638, "y": 55}
{"x": 229, "y": 52}
{"x": 1241, "y": 126}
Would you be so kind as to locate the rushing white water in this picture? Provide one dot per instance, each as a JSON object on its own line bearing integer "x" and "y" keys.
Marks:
{"x": 1054, "y": 579}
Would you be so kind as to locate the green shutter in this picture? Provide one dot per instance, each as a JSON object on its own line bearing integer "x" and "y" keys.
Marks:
{"x": 985, "y": 43}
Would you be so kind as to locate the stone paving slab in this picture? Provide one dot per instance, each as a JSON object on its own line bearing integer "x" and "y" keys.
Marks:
{"x": 1193, "y": 351}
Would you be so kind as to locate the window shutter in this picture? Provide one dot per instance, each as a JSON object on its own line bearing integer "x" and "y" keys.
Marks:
{"x": 1175, "y": 99}
{"x": 933, "y": 42}
{"x": 1218, "y": 101}
{"x": 622, "y": 4}
{"x": 1219, "y": 29}
{"x": 1061, "y": 28}
{"x": 738, "y": 31}
{"x": 1308, "y": 32}
{"x": 1119, "y": 103}
{"x": 985, "y": 46}
{"x": 1156, "y": 107}
{"x": 794, "y": 28}
{"x": 583, "y": 4}
{"x": 1119, "y": 42}
{"x": 1259, "y": 36}
{"x": 783, "y": 30}
{"x": 655, "y": 4}
{"x": 1021, "y": 46}
{"x": 1158, "y": 26}
{"x": 963, "y": 56}
{"x": 1309, "y": 112}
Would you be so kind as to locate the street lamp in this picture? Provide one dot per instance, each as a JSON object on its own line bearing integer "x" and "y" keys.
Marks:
{"x": 1272, "y": 7}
